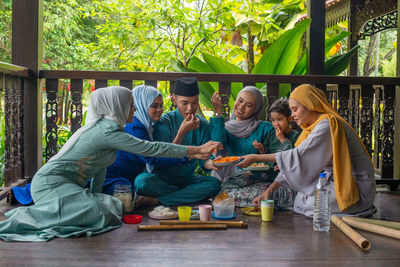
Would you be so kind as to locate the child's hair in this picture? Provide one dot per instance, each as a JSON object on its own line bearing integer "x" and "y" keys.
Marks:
{"x": 280, "y": 106}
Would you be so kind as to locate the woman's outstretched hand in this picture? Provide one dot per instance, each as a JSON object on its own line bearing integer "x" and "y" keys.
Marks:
{"x": 247, "y": 160}
{"x": 263, "y": 196}
{"x": 204, "y": 151}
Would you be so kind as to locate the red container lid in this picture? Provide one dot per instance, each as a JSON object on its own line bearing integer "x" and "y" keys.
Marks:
{"x": 132, "y": 219}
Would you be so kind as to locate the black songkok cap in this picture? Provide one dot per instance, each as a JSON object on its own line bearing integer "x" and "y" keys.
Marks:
{"x": 186, "y": 87}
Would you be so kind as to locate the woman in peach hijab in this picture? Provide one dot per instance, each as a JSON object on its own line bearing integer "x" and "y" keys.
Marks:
{"x": 327, "y": 144}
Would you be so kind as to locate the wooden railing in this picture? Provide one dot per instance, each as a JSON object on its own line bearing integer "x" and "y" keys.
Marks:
{"x": 12, "y": 85}
{"x": 367, "y": 103}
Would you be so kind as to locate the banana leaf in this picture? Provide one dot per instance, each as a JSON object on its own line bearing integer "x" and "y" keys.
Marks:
{"x": 301, "y": 66}
{"x": 331, "y": 41}
{"x": 222, "y": 66}
{"x": 281, "y": 57}
{"x": 337, "y": 64}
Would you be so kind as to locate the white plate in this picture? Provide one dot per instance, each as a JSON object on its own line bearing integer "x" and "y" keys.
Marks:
{"x": 265, "y": 168}
{"x": 155, "y": 215}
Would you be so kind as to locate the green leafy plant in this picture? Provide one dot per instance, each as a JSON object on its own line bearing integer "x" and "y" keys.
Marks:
{"x": 282, "y": 57}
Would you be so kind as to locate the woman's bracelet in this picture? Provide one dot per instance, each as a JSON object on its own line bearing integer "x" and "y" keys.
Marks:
{"x": 217, "y": 114}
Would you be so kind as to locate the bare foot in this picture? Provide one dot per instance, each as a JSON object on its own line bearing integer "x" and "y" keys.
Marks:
{"x": 149, "y": 201}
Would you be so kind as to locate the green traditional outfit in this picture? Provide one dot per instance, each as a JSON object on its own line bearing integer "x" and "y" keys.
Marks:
{"x": 63, "y": 207}
{"x": 178, "y": 184}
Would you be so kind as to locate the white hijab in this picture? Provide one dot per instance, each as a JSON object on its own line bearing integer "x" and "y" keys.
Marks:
{"x": 112, "y": 102}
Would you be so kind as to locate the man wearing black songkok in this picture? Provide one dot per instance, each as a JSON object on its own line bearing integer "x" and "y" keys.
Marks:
{"x": 178, "y": 184}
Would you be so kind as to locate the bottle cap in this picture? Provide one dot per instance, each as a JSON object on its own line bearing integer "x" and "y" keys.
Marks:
{"x": 132, "y": 219}
{"x": 322, "y": 175}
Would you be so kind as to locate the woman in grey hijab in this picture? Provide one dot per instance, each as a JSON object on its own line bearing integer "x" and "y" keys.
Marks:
{"x": 239, "y": 135}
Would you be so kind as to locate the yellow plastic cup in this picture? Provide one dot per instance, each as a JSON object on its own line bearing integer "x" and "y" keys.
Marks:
{"x": 184, "y": 213}
{"x": 267, "y": 210}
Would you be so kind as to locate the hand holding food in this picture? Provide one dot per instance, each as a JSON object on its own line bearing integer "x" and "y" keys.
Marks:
{"x": 259, "y": 146}
{"x": 202, "y": 152}
{"x": 225, "y": 161}
{"x": 190, "y": 123}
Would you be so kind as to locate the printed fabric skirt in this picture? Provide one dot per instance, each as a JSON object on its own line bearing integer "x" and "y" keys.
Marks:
{"x": 62, "y": 209}
{"x": 244, "y": 188}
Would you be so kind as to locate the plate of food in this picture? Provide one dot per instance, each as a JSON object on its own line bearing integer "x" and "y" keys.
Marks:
{"x": 163, "y": 213}
{"x": 258, "y": 166}
{"x": 226, "y": 161}
{"x": 253, "y": 211}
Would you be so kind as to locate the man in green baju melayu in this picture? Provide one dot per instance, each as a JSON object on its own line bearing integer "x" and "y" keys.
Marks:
{"x": 173, "y": 185}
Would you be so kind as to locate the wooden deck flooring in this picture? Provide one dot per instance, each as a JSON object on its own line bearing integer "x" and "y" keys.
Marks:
{"x": 286, "y": 241}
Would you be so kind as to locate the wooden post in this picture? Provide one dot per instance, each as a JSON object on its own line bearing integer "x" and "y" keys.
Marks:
{"x": 316, "y": 37}
{"x": 27, "y": 45}
{"x": 396, "y": 152}
{"x": 352, "y": 41}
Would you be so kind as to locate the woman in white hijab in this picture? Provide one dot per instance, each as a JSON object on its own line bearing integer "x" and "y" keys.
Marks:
{"x": 63, "y": 207}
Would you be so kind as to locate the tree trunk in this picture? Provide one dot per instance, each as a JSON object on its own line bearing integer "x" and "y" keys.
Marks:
{"x": 250, "y": 51}
{"x": 378, "y": 42}
{"x": 368, "y": 64}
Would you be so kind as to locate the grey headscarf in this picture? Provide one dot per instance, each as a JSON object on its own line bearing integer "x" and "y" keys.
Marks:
{"x": 242, "y": 129}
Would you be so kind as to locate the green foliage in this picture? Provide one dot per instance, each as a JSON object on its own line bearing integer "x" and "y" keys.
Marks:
{"x": 387, "y": 58}
{"x": 5, "y": 30}
{"x": 337, "y": 64}
{"x": 279, "y": 58}
{"x": 334, "y": 65}
{"x": 65, "y": 29}
{"x": 265, "y": 19}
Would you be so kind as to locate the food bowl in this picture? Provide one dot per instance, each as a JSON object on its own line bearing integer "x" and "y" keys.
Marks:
{"x": 224, "y": 210}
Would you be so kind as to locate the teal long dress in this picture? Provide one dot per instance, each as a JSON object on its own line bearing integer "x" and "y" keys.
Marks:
{"x": 242, "y": 185}
{"x": 178, "y": 184}
{"x": 63, "y": 207}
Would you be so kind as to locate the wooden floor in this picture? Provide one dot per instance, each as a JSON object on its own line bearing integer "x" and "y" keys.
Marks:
{"x": 289, "y": 240}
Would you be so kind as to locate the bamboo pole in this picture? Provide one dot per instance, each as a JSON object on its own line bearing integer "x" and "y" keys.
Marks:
{"x": 182, "y": 227}
{"x": 232, "y": 224}
{"x": 389, "y": 224}
{"x": 362, "y": 242}
{"x": 372, "y": 227}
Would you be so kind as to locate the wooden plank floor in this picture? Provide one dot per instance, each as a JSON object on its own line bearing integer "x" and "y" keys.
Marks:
{"x": 286, "y": 241}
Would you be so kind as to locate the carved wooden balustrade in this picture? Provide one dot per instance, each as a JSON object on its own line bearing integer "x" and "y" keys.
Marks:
{"x": 12, "y": 86}
{"x": 367, "y": 103}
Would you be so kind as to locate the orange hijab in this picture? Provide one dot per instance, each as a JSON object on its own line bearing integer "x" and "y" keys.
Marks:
{"x": 345, "y": 186}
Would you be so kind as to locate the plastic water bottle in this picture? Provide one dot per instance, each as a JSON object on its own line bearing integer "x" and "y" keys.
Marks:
{"x": 322, "y": 212}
